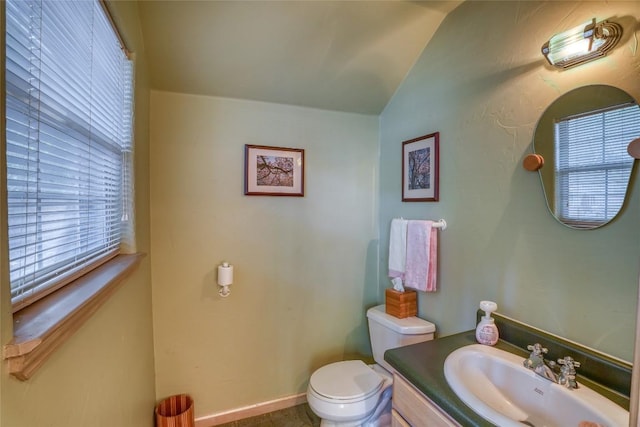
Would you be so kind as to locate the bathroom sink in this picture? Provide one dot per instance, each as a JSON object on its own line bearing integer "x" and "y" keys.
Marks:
{"x": 495, "y": 384}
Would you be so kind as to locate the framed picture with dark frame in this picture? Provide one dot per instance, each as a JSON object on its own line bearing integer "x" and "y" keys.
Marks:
{"x": 273, "y": 171}
{"x": 420, "y": 163}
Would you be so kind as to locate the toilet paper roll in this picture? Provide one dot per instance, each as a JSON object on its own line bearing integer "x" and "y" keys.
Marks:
{"x": 225, "y": 274}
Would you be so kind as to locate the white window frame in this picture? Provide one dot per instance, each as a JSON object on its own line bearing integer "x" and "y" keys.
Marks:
{"x": 42, "y": 327}
{"x": 78, "y": 120}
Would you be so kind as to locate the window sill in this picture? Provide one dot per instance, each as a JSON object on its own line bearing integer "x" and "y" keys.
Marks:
{"x": 42, "y": 327}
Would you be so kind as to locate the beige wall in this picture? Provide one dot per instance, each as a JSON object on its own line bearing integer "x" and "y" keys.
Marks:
{"x": 304, "y": 267}
{"x": 482, "y": 83}
{"x": 104, "y": 375}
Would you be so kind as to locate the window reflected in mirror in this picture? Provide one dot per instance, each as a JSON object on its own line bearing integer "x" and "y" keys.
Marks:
{"x": 592, "y": 166}
{"x": 583, "y": 138}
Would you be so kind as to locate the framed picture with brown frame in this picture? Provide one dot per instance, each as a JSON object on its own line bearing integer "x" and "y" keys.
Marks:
{"x": 273, "y": 171}
{"x": 420, "y": 163}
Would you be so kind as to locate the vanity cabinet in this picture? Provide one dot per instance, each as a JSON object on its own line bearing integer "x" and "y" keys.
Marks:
{"x": 411, "y": 408}
{"x": 397, "y": 420}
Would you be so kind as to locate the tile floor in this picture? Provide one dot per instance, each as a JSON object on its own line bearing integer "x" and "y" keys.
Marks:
{"x": 297, "y": 416}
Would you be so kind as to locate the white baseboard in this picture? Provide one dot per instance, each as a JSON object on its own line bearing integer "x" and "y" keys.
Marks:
{"x": 250, "y": 411}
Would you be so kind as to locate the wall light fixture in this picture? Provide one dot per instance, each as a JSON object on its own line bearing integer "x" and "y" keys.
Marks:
{"x": 581, "y": 44}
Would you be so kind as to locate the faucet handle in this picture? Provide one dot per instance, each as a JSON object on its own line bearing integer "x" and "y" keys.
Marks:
{"x": 567, "y": 375}
{"x": 537, "y": 349}
{"x": 569, "y": 363}
{"x": 536, "y": 358}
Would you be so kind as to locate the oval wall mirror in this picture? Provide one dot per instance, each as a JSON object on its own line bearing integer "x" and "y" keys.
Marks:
{"x": 583, "y": 138}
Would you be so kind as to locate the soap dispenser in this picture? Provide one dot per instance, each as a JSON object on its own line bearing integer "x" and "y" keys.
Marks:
{"x": 487, "y": 331}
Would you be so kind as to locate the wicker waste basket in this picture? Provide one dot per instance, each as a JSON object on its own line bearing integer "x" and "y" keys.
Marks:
{"x": 175, "y": 411}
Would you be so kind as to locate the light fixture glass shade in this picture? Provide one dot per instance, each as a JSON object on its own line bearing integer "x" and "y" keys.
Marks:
{"x": 581, "y": 44}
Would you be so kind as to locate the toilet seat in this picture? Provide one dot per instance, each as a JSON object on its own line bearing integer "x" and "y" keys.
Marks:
{"x": 345, "y": 382}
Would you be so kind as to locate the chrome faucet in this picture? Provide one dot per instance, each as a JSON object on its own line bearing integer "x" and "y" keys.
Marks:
{"x": 537, "y": 363}
{"x": 567, "y": 375}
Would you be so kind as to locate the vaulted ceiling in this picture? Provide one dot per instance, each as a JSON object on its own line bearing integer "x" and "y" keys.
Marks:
{"x": 337, "y": 55}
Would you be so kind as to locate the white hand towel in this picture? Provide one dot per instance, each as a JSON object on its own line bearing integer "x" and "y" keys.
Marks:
{"x": 397, "y": 249}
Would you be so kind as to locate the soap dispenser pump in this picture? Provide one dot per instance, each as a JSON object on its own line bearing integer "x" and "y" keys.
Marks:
{"x": 487, "y": 331}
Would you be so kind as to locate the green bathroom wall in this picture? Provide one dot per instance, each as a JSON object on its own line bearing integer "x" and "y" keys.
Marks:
{"x": 483, "y": 83}
{"x": 104, "y": 374}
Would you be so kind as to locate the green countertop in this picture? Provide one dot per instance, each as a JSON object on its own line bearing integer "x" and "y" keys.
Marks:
{"x": 423, "y": 365}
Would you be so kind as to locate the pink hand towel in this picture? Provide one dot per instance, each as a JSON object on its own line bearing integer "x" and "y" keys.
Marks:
{"x": 422, "y": 250}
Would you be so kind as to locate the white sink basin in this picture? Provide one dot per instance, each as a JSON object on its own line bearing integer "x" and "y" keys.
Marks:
{"x": 496, "y": 385}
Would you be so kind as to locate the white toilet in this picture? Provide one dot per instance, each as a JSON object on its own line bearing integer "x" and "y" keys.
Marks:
{"x": 353, "y": 394}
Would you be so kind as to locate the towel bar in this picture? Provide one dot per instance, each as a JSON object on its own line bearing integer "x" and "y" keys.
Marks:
{"x": 441, "y": 224}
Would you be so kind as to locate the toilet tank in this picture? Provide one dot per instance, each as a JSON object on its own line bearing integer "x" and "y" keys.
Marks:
{"x": 387, "y": 332}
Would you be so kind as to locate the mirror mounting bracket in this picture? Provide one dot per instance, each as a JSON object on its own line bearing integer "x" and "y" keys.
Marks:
{"x": 533, "y": 162}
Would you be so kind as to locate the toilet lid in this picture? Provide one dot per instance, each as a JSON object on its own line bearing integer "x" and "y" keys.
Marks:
{"x": 347, "y": 380}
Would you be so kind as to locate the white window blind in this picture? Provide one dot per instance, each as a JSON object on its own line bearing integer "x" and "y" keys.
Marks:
{"x": 69, "y": 124}
{"x": 592, "y": 164}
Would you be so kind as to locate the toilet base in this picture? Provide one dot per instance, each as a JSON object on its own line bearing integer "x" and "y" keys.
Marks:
{"x": 380, "y": 418}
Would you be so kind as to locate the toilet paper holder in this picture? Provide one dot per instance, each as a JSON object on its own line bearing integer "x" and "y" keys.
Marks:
{"x": 225, "y": 279}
